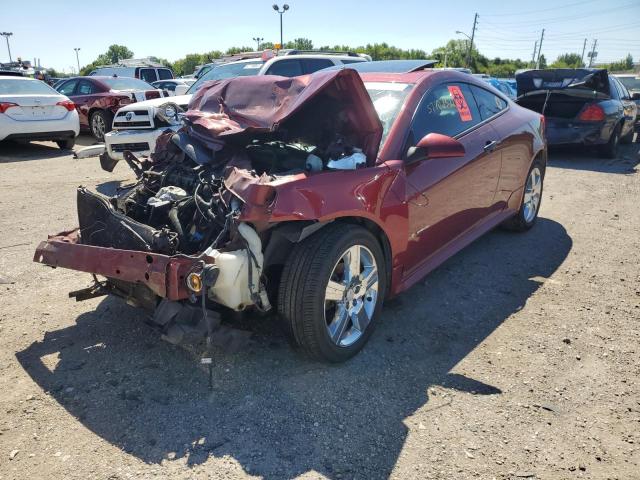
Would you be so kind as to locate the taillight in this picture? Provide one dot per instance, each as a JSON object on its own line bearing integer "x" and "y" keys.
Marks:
{"x": 124, "y": 100}
{"x": 149, "y": 94}
{"x": 4, "y": 106}
{"x": 592, "y": 113}
{"x": 68, "y": 104}
{"x": 543, "y": 124}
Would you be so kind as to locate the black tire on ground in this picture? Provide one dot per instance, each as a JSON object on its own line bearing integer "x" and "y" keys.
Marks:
{"x": 67, "y": 144}
{"x": 301, "y": 294}
{"x": 519, "y": 222}
{"x": 610, "y": 149}
{"x": 100, "y": 123}
{"x": 628, "y": 138}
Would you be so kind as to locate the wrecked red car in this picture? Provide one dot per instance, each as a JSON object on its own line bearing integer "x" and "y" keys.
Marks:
{"x": 317, "y": 196}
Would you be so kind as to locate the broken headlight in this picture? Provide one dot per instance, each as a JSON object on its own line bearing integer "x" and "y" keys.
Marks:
{"x": 169, "y": 113}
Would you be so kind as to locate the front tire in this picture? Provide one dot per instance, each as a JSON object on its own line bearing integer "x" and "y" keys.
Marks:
{"x": 331, "y": 291}
{"x": 100, "y": 123}
{"x": 531, "y": 200}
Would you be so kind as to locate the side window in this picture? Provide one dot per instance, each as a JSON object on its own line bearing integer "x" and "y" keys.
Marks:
{"x": 488, "y": 103}
{"x": 350, "y": 61}
{"x": 613, "y": 89}
{"x": 164, "y": 74}
{"x": 67, "y": 88}
{"x": 314, "y": 64}
{"x": 85, "y": 88}
{"x": 286, "y": 68}
{"x": 148, "y": 75}
{"x": 448, "y": 109}
{"x": 171, "y": 87}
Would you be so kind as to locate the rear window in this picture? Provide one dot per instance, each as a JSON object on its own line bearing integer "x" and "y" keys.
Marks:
{"x": 17, "y": 86}
{"x": 165, "y": 74}
{"x": 125, "y": 83}
{"x": 229, "y": 70}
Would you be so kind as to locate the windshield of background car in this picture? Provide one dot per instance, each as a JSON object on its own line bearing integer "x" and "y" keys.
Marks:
{"x": 230, "y": 70}
{"x": 630, "y": 82}
{"x": 387, "y": 99}
{"x": 124, "y": 83}
{"x": 11, "y": 86}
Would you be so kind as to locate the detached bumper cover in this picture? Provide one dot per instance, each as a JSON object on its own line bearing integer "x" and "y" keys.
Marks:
{"x": 162, "y": 274}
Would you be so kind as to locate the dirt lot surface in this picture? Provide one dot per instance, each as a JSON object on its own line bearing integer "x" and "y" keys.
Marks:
{"x": 518, "y": 358}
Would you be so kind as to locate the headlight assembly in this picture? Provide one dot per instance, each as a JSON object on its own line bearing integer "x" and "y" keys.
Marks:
{"x": 169, "y": 113}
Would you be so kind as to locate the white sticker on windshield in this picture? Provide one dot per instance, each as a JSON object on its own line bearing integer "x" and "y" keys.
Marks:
{"x": 251, "y": 66}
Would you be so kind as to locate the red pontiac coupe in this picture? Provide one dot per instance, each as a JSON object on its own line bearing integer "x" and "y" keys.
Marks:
{"x": 318, "y": 196}
{"x": 98, "y": 99}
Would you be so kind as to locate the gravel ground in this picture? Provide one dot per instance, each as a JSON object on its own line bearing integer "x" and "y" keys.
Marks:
{"x": 518, "y": 358}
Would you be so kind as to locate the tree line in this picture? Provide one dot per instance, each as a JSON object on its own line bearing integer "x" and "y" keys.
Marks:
{"x": 454, "y": 54}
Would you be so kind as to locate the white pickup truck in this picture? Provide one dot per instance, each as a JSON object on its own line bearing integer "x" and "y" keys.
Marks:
{"x": 136, "y": 127}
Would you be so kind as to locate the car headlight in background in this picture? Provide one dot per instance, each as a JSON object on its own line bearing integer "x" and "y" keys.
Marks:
{"x": 169, "y": 113}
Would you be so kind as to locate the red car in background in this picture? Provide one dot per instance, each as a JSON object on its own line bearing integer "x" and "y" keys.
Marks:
{"x": 320, "y": 195}
{"x": 98, "y": 99}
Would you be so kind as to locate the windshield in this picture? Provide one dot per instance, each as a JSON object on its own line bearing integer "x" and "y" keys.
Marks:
{"x": 630, "y": 82}
{"x": 387, "y": 99}
{"x": 229, "y": 70}
{"x": 18, "y": 86}
{"x": 125, "y": 83}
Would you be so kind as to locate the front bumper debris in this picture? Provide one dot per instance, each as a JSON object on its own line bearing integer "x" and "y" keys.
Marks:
{"x": 164, "y": 275}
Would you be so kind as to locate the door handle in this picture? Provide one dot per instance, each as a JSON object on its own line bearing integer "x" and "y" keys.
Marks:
{"x": 490, "y": 145}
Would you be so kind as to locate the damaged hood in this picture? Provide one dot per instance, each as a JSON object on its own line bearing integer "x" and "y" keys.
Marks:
{"x": 298, "y": 108}
{"x": 554, "y": 80}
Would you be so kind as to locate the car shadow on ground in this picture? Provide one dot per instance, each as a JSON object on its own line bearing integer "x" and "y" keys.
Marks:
{"x": 19, "y": 151}
{"x": 576, "y": 157}
{"x": 276, "y": 413}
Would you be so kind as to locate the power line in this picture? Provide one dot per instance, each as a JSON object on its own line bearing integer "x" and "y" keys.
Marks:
{"x": 537, "y": 11}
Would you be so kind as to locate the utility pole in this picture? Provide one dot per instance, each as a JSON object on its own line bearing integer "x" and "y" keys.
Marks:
{"x": 584, "y": 47}
{"x": 533, "y": 57}
{"x": 592, "y": 54}
{"x": 473, "y": 34}
{"x": 540, "y": 49}
{"x": 77, "y": 58}
{"x": 6, "y": 36}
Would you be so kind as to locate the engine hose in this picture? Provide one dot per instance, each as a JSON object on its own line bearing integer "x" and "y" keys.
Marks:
{"x": 175, "y": 222}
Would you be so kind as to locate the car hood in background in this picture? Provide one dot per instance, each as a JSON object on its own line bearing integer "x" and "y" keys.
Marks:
{"x": 579, "y": 80}
{"x": 263, "y": 104}
{"x": 156, "y": 102}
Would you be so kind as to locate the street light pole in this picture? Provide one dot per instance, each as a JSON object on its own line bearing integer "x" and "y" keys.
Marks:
{"x": 258, "y": 40}
{"x": 6, "y": 36}
{"x": 285, "y": 7}
{"x": 470, "y": 46}
{"x": 77, "y": 49}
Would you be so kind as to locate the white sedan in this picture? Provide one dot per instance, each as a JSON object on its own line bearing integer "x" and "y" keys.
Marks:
{"x": 32, "y": 110}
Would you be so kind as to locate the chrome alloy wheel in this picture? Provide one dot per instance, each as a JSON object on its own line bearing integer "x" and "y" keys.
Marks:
{"x": 351, "y": 295}
{"x": 98, "y": 126}
{"x": 532, "y": 194}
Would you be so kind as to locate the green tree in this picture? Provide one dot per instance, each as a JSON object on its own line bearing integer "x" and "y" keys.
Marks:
{"x": 113, "y": 54}
{"x": 300, "y": 44}
{"x": 567, "y": 60}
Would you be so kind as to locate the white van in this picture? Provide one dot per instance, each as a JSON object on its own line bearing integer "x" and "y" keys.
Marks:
{"x": 149, "y": 74}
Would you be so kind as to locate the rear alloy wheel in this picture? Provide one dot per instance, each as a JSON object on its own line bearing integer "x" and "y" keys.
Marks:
{"x": 67, "y": 144}
{"x": 100, "y": 123}
{"x": 331, "y": 291}
{"x": 531, "y": 199}
{"x": 610, "y": 149}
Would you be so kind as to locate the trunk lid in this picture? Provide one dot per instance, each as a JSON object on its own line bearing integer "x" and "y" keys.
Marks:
{"x": 583, "y": 82}
{"x": 309, "y": 108}
{"x": 35, "y": 107}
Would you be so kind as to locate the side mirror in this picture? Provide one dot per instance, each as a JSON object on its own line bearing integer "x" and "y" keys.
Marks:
{"x": 635, "y": 96}
{"x": 435, "y": 145}
{"x": 181, "y": 89}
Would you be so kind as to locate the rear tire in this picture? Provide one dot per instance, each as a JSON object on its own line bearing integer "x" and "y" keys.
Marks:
{"x": 531, "y": 200}
{"x": 100, "y": 123}
{"x": 610, "y": 149}
{"x": 326, "y": 309}
{"x": 628, "y": 138}
{"x": 67, "y": 144}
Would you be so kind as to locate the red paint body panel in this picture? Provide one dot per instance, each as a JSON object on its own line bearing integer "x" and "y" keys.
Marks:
{"x": 428, "y": 209}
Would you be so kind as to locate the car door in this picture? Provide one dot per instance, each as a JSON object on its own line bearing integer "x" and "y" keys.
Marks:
{"x": 448, "y": 196}
{"x": 84, "y": 97}
{"x": 290, "y": 67}
{"x": 629, "y": 107}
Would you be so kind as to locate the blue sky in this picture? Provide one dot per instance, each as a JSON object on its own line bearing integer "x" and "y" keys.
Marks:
{"x": 50, "y": 30}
